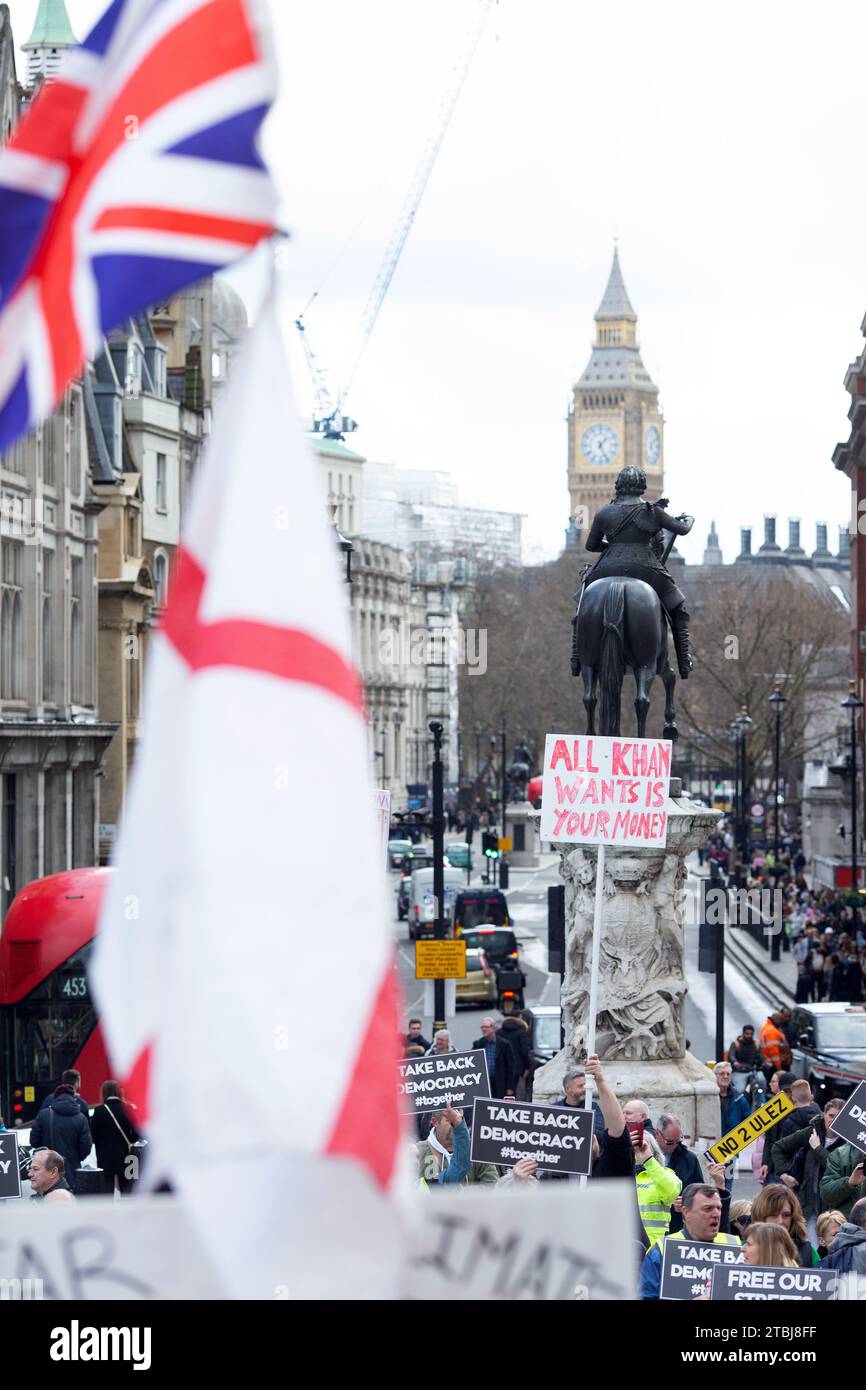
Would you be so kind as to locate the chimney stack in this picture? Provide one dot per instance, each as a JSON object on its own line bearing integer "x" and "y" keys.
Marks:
{"x": 794, "y": 547}
{"x": 745, "y": 542}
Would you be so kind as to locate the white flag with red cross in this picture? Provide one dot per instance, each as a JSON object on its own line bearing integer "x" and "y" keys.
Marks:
{"x": 243, "y": 968}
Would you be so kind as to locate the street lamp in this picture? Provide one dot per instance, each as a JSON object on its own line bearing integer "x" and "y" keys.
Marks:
{"x": 459, "y": 757}
{"x": 852, "y": 703}
{"x": 477, "y": 751}
{"x": 397, "y": 720}
{"x": 777, "y": 700}
{"x": 741, "y": 726}
{"x": 504, "y": 777}
{"x": 384, "y": 732}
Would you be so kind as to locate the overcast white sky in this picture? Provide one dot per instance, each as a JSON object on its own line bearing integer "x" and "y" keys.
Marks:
{"x": 719, "y": 144}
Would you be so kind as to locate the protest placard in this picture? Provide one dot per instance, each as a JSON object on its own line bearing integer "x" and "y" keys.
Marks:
{"x": 553, "y": 1242}
{"x": 605, "y": 790}
{"x": 687, "y": 1266}
{"x": 754, "y": 1125}
{"x": 558, "y": 1136}
{"x": 10, "y": 1174}
{"x": 767, "y": 1282}
{"x": 850, "y": 1123}
{"x": 430, "y": 1083}
{"x": 101, "y": 1249}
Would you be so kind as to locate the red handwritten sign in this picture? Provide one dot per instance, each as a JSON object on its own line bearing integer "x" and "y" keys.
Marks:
{"x": 605, "y": 790}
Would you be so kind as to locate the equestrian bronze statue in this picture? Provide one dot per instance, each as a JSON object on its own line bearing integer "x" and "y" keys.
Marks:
{"x": 626, "y": 601}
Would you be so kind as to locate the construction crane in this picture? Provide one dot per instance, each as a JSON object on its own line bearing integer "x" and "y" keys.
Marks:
{"x": 330, "y": 418}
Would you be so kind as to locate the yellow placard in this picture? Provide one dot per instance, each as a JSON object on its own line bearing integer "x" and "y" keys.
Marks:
{"x": 440, "y": 960}
{"x": 756, "y": 1124}
{"x": 29, "y": 1094}
{"x": 506, "y": 844}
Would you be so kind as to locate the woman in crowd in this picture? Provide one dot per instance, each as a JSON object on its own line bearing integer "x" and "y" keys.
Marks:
{"x": 741, "y": 1215}
{"x": 766, "y": 1244}
{"x": 114, "y": 1135}
{"x": 779, "y": 1206}
{"x": 827, "y": 1228}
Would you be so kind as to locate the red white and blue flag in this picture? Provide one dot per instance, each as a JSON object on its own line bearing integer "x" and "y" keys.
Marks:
{"x": 134, "y": 173}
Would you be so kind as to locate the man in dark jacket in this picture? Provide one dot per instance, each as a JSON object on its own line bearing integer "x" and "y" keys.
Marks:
{"x": 744, "y": 1054}
{"x": 684, "y": 1163}
{"x": 69, "y": 1078}
{"x": 516, "y": 1033}
{"x": 574, "y": 1094}
{"x": 501, "y": 1061}
{"x": 61, "y": 1126}
{"x": 414, "y": 1037}
{"x": 800, "y": 1160}
{"x": 804, "y": 1113}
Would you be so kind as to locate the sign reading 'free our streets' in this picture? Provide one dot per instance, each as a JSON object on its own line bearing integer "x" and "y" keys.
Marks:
{"x": 754, "y": 1125}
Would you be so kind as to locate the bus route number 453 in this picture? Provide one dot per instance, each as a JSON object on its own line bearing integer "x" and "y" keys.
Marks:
{"x": 75, "y": 987}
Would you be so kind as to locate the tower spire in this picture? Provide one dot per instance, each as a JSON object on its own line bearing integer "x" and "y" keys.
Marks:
{"x": 52, "y": 35}
{"x": 615, "y": 303}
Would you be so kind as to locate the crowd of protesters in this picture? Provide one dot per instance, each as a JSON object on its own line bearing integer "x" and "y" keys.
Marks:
{"x": 65, "y": 1131}
{"x": 824, "y": 927}
{"x": 811, "y": 1207}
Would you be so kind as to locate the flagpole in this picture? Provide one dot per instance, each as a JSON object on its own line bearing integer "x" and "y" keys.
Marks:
{"x": 593, "y": 976}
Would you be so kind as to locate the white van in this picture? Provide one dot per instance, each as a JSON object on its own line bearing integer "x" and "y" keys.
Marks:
{"x": 422, "y": 905}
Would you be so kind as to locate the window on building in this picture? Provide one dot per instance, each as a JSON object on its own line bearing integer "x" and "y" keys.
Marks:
{"x": 11, "y": 622}
{"x": 133, "y": 544}
{"x": 161, "y": 483}
{"x": 76, "y": 444}
{"x": 133, "y": 667}
{"x": 49, "y": 451}
{"x": 15, "y": 459}
{"x": 47, "y": 625}
{"x": 76, "y": 674}
{"x": 160, "y": 577}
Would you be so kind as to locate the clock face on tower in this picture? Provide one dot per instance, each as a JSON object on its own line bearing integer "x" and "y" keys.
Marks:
{"x": 652, "y": 446}
{"x": 600, "y": 445}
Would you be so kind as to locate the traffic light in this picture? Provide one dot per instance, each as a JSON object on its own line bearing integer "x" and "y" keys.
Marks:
{"x": 490, "y": 844}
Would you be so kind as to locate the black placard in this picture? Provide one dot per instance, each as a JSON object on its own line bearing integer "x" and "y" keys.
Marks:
{"x": 762, "y": 1282}
{"x": 850, "y": 1123}
{"x": 558, "y": 1136}
{"x": 428, "y": 1084}
{"x": 10, "y": 1176}
{"x": 687, "y": 1266}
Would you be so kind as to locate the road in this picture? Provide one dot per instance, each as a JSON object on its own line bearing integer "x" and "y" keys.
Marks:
{"x": 527, "y": 900}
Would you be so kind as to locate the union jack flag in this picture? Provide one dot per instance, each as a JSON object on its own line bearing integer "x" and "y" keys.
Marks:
{"x": 134, "y": 173}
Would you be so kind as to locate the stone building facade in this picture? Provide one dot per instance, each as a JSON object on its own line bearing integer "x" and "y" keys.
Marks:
{"x": 614, "y": 417}
{"x": 53, "y": 740}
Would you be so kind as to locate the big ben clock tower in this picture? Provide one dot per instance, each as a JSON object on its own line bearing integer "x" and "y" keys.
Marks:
{"x": 614, "y": 417}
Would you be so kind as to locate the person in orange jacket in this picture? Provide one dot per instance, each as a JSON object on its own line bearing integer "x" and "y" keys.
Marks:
{"x": 774, "y": 1045}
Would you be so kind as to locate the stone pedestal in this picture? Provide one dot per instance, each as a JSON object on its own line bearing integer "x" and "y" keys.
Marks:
{"x": 522, "y": 820}
{"x": 640, "y": 1026}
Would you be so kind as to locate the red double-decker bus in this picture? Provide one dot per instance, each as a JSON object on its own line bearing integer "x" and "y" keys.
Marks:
{"x": 47, "y": 1017}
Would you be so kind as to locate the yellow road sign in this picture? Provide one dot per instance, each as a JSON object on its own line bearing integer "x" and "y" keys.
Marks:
{"x": 756, "y": 1124}
{"x": 440, "y": 960}
{"x": 506, "y": 844}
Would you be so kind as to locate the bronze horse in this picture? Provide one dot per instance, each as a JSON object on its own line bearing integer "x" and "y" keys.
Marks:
{"x": 620, "y": 624}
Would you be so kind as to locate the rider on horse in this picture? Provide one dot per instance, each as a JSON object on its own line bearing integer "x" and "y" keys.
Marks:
{"x": 628, "y": 533}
